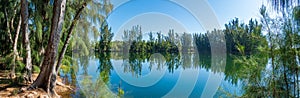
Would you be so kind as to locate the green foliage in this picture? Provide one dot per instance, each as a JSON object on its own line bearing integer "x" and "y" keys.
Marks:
{"x": 67, "y": 65}
{"x": 163, "y": 44}
{"x": 36, "y": 58}
{"x": 36, "y": 69}
{"x": 20, "y": 66}
{"x": 8, "y": 61}
{"x": 281, "y": 77}
{"x": 281, "y": 45}
{"x": 296, "y": 14}
{"x": 202, "y": 43}
{"x": 105, "y": 39}
{"x": 120, "y": 92}
{"x": 7, "y": 14}
{"x": 98, "y": 88}
{"x": 245, "y": 39}
{"x": 240, "y": 48}
{"x": 80, "y": 48}
{"x": 248, "y": 36}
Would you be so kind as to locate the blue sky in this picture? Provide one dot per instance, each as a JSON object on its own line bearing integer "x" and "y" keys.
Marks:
{"x": 162, "y": 15}
{"x": 226, "y": 10}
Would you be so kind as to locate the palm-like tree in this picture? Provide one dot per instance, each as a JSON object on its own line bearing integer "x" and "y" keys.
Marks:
{"x": 289, "y": 10}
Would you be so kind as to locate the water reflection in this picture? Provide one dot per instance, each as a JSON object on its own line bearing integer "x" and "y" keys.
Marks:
{"x": 156, "y": 75}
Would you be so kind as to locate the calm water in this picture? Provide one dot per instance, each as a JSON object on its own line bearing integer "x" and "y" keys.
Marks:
{"x": 156, "y": 75}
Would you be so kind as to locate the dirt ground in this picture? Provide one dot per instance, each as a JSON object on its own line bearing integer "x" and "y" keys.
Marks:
{"x": 10, "y": 90}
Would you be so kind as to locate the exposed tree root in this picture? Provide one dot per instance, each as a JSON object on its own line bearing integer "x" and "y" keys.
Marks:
{"x": 63, "y": 85}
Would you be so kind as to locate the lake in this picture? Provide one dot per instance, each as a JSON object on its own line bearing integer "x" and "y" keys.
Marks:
{"x": 152, "y": 75}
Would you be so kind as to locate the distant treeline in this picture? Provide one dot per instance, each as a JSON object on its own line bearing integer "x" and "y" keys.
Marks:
{"x": 240, "y": 38}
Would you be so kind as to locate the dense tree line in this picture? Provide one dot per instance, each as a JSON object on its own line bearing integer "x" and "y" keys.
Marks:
{"x": 238, "y": 37}
{"x": 162, "y": 44}
{"x": 133, "y": 42}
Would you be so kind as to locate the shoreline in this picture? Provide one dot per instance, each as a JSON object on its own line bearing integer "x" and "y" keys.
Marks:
{"x": 12, "y": 90}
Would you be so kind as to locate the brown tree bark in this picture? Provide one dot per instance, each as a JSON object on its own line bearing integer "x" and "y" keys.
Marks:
{"x": 27, "y": 60}
{"x": 47, "y": 76}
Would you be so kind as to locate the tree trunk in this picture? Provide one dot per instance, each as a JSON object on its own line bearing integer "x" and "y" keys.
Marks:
{"x": 8, "y": 26}
{"x": 27, "y": 60}
{"x": 64, "y": 49}
{"x": 47, "y": 76}
{"x": 13, "y": 18}
{"x": 12, "y": 74}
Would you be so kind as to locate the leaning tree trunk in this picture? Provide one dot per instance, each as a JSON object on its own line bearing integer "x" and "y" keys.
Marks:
{"x": 47, "y": 76}
{"x": 13, "y": 18}
{"x": 27, "y": 60}
{"x": 12, "y": 74}
{"x": 64, "y": 49}
{"x": 8, "y": 26}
